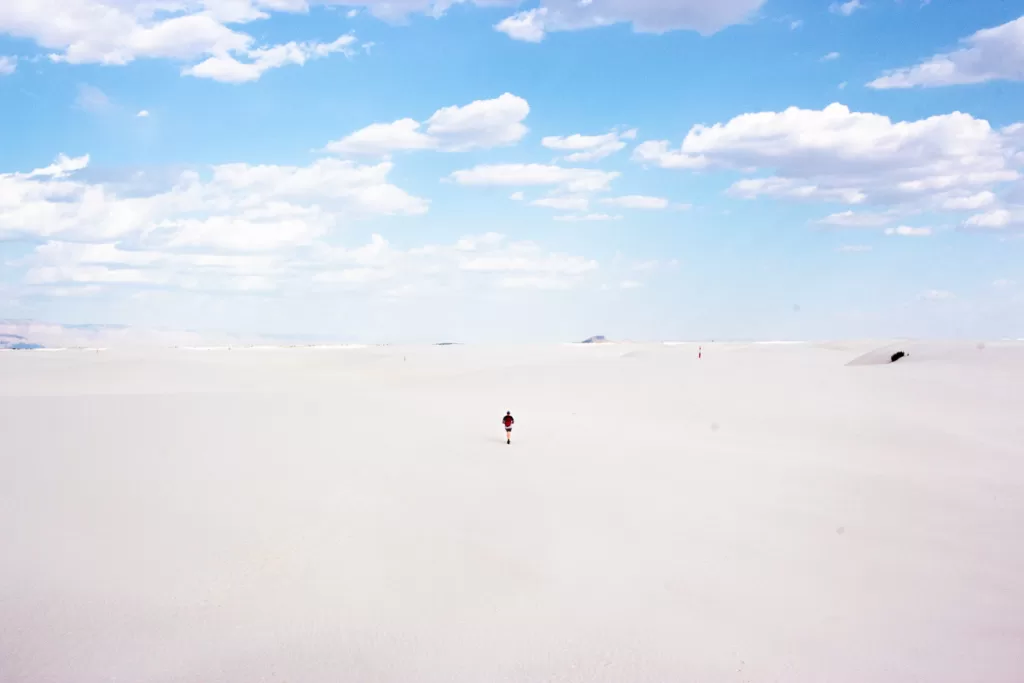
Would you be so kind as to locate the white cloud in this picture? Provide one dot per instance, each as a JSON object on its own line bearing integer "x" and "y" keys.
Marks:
{"x": 384, "y": 138}
{"x": 480, "y": 124}
{"x": 227, "y": 68}
{"x": 835, "y": 154}
{"x": 635, "y": 201}
{"x": 586, "y": 148}
{"x": 646, "y": 16}
{"x": 60, "y": 168}
{"x": 118, "y": 32}
{"x": 352, "y": 13}
{"x": 909, "y": 231}
{"x": 972, "y": 202}
{"x": 630, "y": 284}
{"x": 990, "y": 54}
{"x": 842, "y": 86}
{"x": 851, "y": 219}
{"x": 854, "y": 248}
{"x": 798, "y": 189}
{"x": 996, "y": 220}
{"x": 484, "y": 123}
{"x": 586, "y": 218}
{"x": 92, "y": 99}
{"x": 472, "y": 263}
{"x": 527, "y": 26}
{"x": 567, "y": 203}
{"x": 240, "y": 206}
{"x": 794, "y": 25}
{"x": 846, "y": 8}
{"x": 517, "y": 196}
{"x": 657, "y": 152}
{"x": 831, "y": 56}
{"x": 577, "y": 180}
{"x": 8, "y": 65}
{"x": 936, "y": 295}
{"x": 202, "y": 33}
{"x": 144, "y": 114}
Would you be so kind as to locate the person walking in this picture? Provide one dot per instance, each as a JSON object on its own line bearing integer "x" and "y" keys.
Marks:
{"x": 508, "y": 421}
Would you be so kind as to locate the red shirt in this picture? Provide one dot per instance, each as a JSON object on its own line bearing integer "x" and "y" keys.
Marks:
{"x": 508, "y": 421}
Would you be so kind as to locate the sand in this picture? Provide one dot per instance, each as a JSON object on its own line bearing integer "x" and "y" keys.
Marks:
{"x": 766, "y": 513}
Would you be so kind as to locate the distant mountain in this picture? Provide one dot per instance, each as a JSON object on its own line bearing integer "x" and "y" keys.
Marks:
{"x": 20, "y": 346}
{"x": 16, "y": 342}
{"x": 25, "y": 334}
{"x": 597, "y": 339}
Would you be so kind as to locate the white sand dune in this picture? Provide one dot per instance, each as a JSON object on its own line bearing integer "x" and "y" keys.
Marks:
{"x": 767, "y": 513}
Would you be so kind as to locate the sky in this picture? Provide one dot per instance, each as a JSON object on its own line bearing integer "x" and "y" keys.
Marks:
{"x": 484, "y": 170}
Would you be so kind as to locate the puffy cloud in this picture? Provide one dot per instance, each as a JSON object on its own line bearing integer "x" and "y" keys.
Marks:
{"x": 117, "y": 32}
{"x": 1001, "y": 219}
{"x": 846, "y": 8}
{"x": 579, "y": 180}
{"x": 527, "y": 26}
{"x": 484, "y": 123}
{"x": 646, "y": 16}
{"x": 144, "y": 114}
{"x": 909, "y": 231}
{"x": 8, "y": 65}
{"x": 480, "y": 124}
{"x": 226, "y": 68}
{"x": 240, "y": 206}
{"x": 589, "y": 147}
{"x": 384, "y": 138}
{"x": 838, "y": 155}
{"x": 658, "y": 152}
{"x": 201, "y": 31}
{"x": 62, "y": 167}
{"x": 831, "y": 56}
{"x": 990, "y": 54}
{"x": 635, "y": 201}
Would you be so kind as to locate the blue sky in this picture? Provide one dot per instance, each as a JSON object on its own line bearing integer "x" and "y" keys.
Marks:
{"x": 482, "y": 171}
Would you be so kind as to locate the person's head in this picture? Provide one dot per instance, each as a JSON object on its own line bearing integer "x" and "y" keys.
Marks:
{"x": 508, "y": 412}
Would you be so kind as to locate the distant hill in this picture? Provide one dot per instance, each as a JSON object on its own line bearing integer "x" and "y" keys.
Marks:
{"x": 16, "y": 342}
{"x": 596, "y": 339}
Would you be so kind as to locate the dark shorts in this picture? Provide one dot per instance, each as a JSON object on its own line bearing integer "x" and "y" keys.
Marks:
{"x": 508, "y": 429}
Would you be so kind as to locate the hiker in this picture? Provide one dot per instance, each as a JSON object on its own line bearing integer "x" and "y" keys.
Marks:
{"x": 508, "y": 421}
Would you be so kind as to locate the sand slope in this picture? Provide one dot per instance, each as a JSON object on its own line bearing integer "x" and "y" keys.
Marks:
{"x": 768, "y": 513}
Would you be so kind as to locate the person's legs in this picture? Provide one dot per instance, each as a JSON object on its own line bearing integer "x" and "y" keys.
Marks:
{"x": 508, "y": 436}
